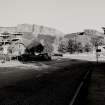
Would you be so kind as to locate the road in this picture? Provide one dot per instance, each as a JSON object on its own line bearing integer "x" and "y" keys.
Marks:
{"x": 44, "y": 83}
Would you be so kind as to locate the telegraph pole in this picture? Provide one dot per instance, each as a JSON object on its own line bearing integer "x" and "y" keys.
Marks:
{"x": 97, "y": 53}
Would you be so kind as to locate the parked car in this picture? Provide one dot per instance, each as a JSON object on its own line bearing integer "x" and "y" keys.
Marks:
{"x": 39, "y": 57}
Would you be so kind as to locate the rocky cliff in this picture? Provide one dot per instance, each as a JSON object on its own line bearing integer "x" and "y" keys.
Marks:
{"x": 35, "y": 29}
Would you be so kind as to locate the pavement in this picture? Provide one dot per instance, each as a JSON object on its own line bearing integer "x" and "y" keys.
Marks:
{"x": 10, "y": 63}
{"x": 21, "y": 64}
{"x": 96, "y": 91}
{"x": 85, "y": 56}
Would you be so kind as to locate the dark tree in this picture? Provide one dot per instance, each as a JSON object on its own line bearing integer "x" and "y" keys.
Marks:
{"x": 79, "y": 47}
{"x": 96, "y": 41}
{"x": 71, "y": 46}
{"x": 48, "y": 48}
{"x": 87, "y": 47}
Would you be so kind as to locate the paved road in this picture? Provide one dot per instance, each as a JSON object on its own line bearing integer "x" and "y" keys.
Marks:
{"x": 45, "y": 83}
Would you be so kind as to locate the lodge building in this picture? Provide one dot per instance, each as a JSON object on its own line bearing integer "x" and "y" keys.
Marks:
{"x": 11, "y": 44}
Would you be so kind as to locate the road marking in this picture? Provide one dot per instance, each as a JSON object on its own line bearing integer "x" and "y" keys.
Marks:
{"x": 78, "y": 89}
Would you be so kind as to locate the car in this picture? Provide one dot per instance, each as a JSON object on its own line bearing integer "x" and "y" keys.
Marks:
{"x": 38, "y": 57}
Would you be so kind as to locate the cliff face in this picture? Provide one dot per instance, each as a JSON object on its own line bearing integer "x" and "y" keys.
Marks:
{"x": 35, "y": 29}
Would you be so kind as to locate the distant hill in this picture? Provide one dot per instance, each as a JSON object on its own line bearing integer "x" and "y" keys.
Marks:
{"x": 85, "y": 36}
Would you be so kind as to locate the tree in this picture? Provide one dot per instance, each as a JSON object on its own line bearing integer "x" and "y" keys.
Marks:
{"x": 63, "y": 45}
{"x": 34, "y": 47}
{"x": 79, "y": 47}
{"x": 87, "y": 47}
{"x": 97, "y": 41}
{"x": 71, "y": 46}
{"x": 48, "y": 48}
{"x": 101, "y": 40}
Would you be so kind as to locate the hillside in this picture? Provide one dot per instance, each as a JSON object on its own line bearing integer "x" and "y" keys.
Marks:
{"x": 85, "y": 36}
{"x": 35, "y": 29}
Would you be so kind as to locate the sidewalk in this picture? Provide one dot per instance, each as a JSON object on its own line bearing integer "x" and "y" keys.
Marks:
{"x": 84, "y": 56}
{"x": 20, "y": 65}
{"x": 10, "y": 64}
{"x": 96, "y": 94}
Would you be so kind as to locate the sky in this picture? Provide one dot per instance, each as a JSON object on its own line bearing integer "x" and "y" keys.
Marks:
{"x": 67, "y": 16}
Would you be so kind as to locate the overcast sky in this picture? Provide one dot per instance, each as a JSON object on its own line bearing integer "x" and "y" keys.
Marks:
{"x": 65, "y": 15}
